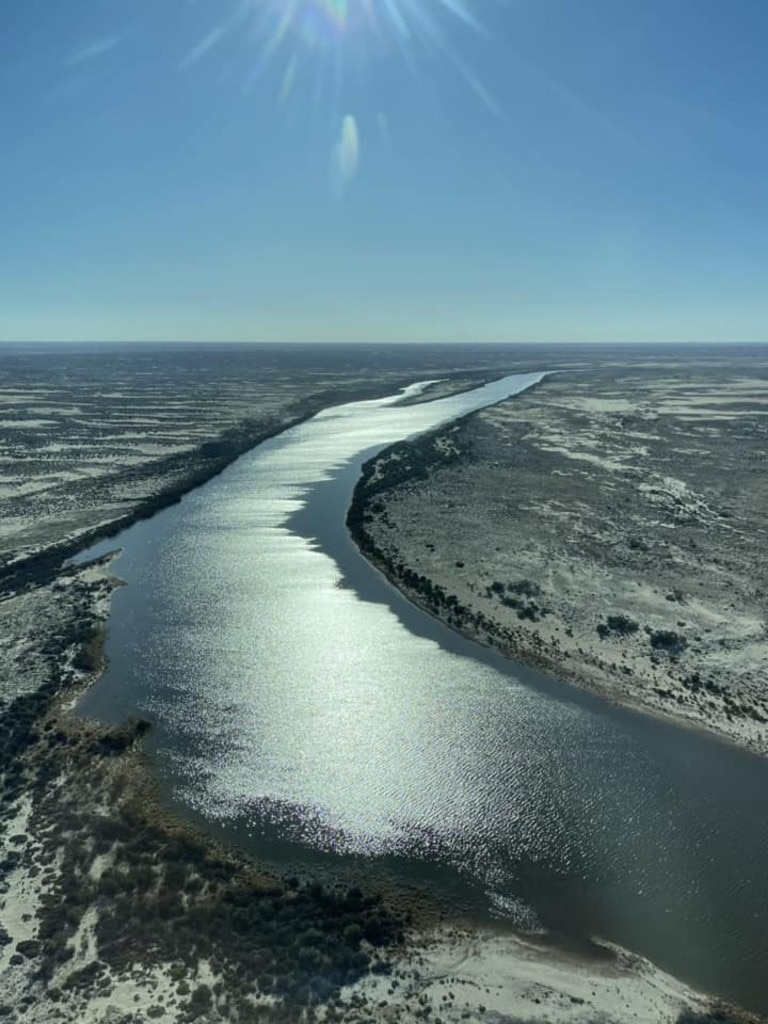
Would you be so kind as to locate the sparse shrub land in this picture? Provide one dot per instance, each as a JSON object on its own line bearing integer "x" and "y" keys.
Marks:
{"x": 601, "y": 527}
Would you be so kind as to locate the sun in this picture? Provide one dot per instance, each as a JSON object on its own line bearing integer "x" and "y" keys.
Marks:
{"x": 324, "y": 23}
{"x": 296, "y": 31}
{"x": 307, "y": 48}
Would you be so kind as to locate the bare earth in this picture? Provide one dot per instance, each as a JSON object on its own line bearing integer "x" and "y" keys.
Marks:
{"x": 608, "y": 526}
{"x": 457, "y": 975}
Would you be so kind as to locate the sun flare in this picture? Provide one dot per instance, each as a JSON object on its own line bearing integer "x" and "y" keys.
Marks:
{"x": 324, "y": 23}
{"x": 310, "y": 47}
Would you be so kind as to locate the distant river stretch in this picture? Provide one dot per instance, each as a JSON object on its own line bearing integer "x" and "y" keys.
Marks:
{"x": 304, "y": 709}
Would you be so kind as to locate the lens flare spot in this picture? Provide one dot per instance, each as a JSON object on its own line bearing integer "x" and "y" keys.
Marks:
{"x": 347, "y": 152}
{"x": 289, "y": 79}
{"x": 349, "y": 147}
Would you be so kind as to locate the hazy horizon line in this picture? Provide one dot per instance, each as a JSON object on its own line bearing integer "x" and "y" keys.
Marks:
{"x": 172, "y": 342}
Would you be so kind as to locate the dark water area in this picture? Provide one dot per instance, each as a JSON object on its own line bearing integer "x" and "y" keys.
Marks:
{"x": 305, "y": 711}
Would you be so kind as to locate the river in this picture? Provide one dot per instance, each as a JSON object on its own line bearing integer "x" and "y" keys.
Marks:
{"x": 304, "y": 710}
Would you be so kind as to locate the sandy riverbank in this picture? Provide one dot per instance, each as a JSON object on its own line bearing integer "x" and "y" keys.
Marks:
{"x": 454, "y": 974}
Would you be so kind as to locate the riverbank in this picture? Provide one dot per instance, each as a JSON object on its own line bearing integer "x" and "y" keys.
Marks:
{"x": 603, "y": 528}
{"x": 454, "y": 974}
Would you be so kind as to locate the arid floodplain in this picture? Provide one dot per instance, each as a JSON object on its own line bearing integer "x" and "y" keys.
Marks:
{"x": 113, "y": 908}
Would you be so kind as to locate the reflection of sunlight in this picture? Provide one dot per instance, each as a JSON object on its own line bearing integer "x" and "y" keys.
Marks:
{"x": 347, "y": 153}
{"x": 206, "y": 44}
{"x": 288, "y": 79}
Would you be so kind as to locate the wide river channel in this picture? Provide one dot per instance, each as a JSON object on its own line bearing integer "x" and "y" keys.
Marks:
{"x": 304, "y": 710}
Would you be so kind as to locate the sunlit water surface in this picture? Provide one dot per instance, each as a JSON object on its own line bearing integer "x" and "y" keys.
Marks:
{"x": 303, "y": 709}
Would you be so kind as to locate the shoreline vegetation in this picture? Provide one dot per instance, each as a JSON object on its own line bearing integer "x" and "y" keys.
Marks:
{"x": 113, "y": 909}
{"x": 447, "y": 520}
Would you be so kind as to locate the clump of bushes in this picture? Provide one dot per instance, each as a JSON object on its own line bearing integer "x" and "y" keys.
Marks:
{"x": 668, "y": 642}
{"x": 519, "y": 595}
{"x": 88, "y": 656}
{"x": 617, "y": 625}
{"x": 525, "y": 588}
{"x": 113, "y": 742}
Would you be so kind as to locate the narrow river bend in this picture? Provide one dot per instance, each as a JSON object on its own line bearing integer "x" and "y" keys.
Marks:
{"x": 303, "y": 709}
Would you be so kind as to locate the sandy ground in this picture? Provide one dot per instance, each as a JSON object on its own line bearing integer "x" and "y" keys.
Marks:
{"x": 608, "y": 527}
{"x": 457, "y": 975}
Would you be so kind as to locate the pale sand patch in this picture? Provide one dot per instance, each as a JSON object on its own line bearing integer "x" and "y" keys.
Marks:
{"x": 613, "y": 465}
{"x": 26, "y": 424}
{"x": 22, "y": 398}
{"x": 136, "y": 992}
{"x": 477, "y": 976}
{"x": 17, "y": 488}
{"x": 603, "y": 404}
{"x": 704, "y": 400}
{"x": 19, "y": 903}
{"x": 689, "y": 414}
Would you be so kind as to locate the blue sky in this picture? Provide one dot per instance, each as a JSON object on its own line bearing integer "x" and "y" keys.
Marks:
{"x": 384, "y": 170}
